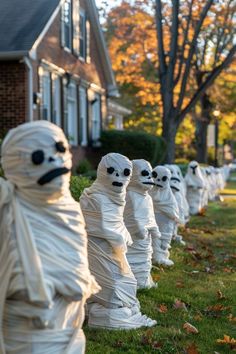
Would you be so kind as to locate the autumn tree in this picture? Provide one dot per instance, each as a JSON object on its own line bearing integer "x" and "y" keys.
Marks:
{"x": 186, "y": 22}
{"x": 216, "y": 40}
{"x": 168, "y": 53}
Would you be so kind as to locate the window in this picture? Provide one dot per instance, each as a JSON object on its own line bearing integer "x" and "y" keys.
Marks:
{"x": 45, "y": 89}
{"x": 67, "y": 24}
{"x": 71, "y": 115}
{"x": 56, "y": 99}
{"x": 83, "y": 116}
{"x": 82, "y": 34}
{"x": 96, "y": 117}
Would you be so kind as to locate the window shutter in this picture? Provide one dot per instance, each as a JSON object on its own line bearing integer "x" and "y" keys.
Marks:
{"x": 76, "y": 27}
{"x": 88, "y": 58}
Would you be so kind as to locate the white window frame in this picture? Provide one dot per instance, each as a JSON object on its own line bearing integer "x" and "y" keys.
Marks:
{"x": 67, "y": 46}
{"x": 45, "y": 89}
{"x": 96, "y": 118}
{"x": 83, "y": 113}
{"x": 56, "y": 99}
{"x": 72, "y": 121}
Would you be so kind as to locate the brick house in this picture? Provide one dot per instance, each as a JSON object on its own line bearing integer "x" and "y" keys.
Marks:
{"x": 54, "y": 65}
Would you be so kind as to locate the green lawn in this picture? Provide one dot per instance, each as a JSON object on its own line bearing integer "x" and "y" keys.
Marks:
{"x": 203, "y": 278}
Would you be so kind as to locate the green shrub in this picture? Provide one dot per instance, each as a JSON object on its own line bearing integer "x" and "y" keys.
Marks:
{"x": 134, "y": 145}
{"x": 91, "y": 174}
{"x": 77, "y": 185}
{"x": 183, "y": 167}
{"x": 83, "y": 167}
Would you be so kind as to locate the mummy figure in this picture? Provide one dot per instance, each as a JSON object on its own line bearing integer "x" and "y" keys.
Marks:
{"x": 166, "y": 213}
{"x": 175, "y": 185}
{"x": 45, "y": 279}
{"x": 116, "y": 305}
{"x": 140, "y": 221}
{"x": 195, "y": 188}
{"x": 183, "y": 191}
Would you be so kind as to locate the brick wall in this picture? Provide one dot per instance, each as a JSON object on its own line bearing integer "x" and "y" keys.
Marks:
{"x": 13, "y": 95}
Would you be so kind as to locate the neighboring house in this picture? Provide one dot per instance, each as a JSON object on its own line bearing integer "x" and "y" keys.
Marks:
{"x": 54, "y": 65}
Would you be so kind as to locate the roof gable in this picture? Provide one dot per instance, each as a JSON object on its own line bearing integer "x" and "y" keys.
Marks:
{"x": 21, "y": 22}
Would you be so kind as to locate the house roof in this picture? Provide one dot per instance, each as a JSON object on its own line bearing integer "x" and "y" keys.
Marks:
{"x": 23, "y": 22}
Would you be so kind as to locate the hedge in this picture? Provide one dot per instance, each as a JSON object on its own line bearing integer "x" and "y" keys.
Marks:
{"x": 77, "y": 185}
{"x": 134, "y": 145}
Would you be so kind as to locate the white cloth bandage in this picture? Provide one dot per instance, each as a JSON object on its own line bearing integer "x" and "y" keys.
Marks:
{"x": 44, "y": 243}
{"x": 116, "y": 305}
{"x": 140, "y": 221}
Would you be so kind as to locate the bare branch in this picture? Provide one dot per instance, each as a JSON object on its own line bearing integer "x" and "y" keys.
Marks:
{"x": 207, "y": 82}
{"x": 186, "y": 31}
{"x": 191, "y": 52}
{"x": 161, "y": 54}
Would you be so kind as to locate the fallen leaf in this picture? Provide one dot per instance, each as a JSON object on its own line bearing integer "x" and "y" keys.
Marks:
{"x": 179, "y": 305}
{"x": 228, "y": 270}
{"x": 220, "y": 295}
{"x": 231, "y": 318}
{"x": 179, "y": 284}
{"x": 192, "y": 349}
{"x": 156, "y": 277}
{"x": 217, "y": 308}
{"x": 190, "y": 328}
{"x": 198, "y": 317}
{"x": 162, "y": 308}
{"x": 227, "y": 340}
{"x": 157, "y": 345}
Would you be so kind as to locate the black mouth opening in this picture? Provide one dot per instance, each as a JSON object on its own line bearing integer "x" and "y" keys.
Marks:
{"x": 176, "y": 189}
{"x": 194, "y": 169}
{"x": 158, "y": 185}
{"x": 151, "y": 183}
{"x": 175, "y": 179}
{"x": 117, "y": 184}
{"x": 49, "y": 176}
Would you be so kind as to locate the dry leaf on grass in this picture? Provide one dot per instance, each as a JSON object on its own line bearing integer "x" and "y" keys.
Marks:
{"x": 231, "y": 318}
{"x": 192, "y": 349}
{"x": 179, "y": 284}
{"x": 179, "y": 305}
{"x": 227, "y": 340}
{"x": 220, "y": 295}
{"x": 162, "y": 308}
{"x": 190, "y": 328}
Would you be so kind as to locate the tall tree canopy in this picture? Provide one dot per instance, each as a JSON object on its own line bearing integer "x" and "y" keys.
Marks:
{"x": 167, "y": 54}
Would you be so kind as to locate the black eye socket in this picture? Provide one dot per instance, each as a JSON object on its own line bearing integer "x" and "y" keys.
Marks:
{"x": 154, "y": 174}
{"x": 60, "y": 146}
{"x": 37, "y": 157}
{"x": 164, "y": 178}
{"x": 178, "y": 173}
{"x": 126, "y": 172}
{"x": 145, "y": 173}
{"x": 110, "y": 170}
{"x": 171, "y": 172}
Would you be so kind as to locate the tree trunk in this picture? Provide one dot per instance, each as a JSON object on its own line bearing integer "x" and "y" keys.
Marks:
{"x": 201, "y": 140}
{"x": 201, "y": 128}
{"x": 169, "y": 133}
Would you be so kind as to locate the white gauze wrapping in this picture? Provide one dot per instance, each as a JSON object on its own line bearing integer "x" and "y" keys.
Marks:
{"x": 206, "y": 189}
{"x": 45, "y": 278}
{"x": 116, "y": 305}
{"x": 140, "y": 221}
{"x": 195, "y": 187}
{"x": 183, "y": 191}
{"x": 165, "y": 209}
